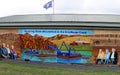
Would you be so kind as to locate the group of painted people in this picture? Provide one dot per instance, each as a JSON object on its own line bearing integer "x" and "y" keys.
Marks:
{"x": 7, "y": 52}
{"x": 107, "y": 57}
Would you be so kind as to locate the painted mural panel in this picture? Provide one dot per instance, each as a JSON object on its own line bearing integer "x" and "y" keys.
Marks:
{"x": 10, "y": 39}
{"x": 63, "y": 46}
{"x": 59, "y": 46}
{"x": 106, "y": 40}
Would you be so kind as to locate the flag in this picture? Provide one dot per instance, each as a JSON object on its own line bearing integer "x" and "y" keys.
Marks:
{"x": 48, "y": 5}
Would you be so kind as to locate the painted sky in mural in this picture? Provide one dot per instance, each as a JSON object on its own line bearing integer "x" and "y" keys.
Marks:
{"x": 53, "y": 32}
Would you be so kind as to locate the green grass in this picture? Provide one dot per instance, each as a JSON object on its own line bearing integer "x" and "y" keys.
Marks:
{"x": 86, "y": 53}
{"x": 7, "y": 68}
{"x": 82, "y": 48}
{"x": 77, "y": 48}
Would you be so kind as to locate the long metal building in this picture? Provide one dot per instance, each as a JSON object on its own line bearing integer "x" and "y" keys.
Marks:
{"x": 40, "y": 37}
{"x": 91, "y": 21}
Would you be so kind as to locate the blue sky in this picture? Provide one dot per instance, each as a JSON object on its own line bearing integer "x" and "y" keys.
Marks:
{"x": 20, "y": 7}
{"x": 53, "y": 32}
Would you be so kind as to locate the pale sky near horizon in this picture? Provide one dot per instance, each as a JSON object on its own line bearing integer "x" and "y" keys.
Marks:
{"x": 21, "y": 7}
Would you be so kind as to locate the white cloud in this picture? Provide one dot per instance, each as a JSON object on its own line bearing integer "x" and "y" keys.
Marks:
{"x": 89, "y": 6}
{"x": 15, "y": 7}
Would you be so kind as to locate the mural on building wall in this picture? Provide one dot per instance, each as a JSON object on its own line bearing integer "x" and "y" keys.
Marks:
{"x": 109, "y": 42}
{"x": 9, "y": 38}
{"x": 63, "y": 46}
{"x": 60, "y": 46}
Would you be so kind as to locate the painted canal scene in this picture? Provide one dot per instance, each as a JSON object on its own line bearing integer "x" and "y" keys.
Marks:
{"x": 61, "y": 46}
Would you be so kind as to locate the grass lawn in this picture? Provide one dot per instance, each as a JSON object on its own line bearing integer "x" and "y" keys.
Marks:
{"x": 7, "y": 68}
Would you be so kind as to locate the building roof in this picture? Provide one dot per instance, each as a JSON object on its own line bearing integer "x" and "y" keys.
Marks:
{"x": 62, "y": 18}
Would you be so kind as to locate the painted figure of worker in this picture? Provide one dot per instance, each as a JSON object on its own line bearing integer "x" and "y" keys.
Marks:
{"x": 4, "y": 52}
{"x": 114, "y": 56}
{"x": 100, "y": 57}
{"x": 8, "y": 49}
{"x": 107, "y": 56}
{"x": 13, "y": 54}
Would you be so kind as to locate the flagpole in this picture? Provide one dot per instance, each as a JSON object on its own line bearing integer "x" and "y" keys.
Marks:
{"x": 53, "y": 7}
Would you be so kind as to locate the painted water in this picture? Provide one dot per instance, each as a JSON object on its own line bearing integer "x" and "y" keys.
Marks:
{"x": 54, "y": 59}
